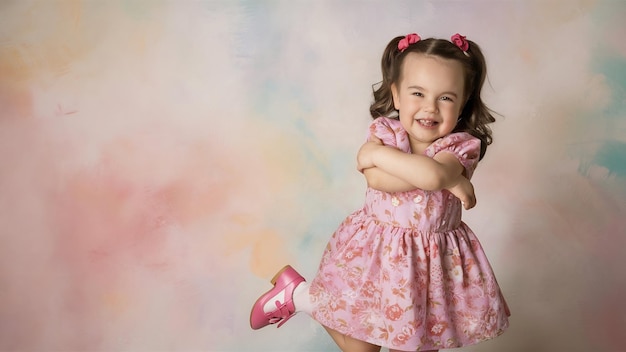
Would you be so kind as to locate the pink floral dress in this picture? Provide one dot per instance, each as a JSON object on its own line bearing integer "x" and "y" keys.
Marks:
{"x": 404, "y": 271}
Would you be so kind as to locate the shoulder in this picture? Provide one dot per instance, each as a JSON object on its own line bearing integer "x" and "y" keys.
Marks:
{"x": 390, "y": 132}
{"x": 459, "y": 141}
{"x": 463, "y": 145}
{"x": 386, "y": 123}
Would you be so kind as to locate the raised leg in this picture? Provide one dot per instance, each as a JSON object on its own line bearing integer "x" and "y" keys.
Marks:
{"x": 276, "y": 306}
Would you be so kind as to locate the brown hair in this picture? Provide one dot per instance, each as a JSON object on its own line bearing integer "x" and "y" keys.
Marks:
{"x": 475, "y": 116}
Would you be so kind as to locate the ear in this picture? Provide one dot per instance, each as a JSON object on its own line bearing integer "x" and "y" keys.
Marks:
{"x": 395, "y": 96}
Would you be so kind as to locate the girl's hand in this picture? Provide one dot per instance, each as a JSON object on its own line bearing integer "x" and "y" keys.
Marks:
{"x": 365, "y": 156}
{"x": 464, "y": 190}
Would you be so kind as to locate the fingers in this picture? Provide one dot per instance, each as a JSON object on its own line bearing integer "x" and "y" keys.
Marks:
{"x": 469, "y": 203}
{"x": 375, "y": 139}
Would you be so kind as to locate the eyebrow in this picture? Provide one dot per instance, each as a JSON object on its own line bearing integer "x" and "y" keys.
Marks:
{"x": 444, "y": 93}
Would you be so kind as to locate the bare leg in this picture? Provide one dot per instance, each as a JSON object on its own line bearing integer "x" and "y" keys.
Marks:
{"x": 349, "y": 344}
{"x": 422, "y": 351}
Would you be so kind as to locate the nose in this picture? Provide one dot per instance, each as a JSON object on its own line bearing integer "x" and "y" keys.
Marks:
{"x": 430, "y": 105}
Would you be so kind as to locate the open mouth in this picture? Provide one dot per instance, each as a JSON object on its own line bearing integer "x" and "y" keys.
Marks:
{"x": 427, "y": 123}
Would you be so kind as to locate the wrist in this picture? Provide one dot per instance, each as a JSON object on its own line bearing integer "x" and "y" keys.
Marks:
{"x": 375, "y": 154}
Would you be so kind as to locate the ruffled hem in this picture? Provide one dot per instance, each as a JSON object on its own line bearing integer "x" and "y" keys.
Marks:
{"x": 407, "y": 290}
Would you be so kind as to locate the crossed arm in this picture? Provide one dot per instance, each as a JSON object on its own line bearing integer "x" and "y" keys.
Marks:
{"x": 391, "y": 170}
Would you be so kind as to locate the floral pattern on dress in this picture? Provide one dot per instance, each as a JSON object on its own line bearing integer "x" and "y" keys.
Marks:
{"x": 404, "y": 271}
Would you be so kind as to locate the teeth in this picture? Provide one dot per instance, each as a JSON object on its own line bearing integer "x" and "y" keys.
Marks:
{"x": 427, "y": 122}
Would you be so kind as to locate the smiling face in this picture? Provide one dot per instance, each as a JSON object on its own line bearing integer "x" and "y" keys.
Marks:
{"x": 429, "y": 98}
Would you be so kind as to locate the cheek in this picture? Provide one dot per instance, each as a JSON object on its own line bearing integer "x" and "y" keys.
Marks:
{"x": 459, "y": 109}
{"x": 452, "y": 111}
{"x": 406, "y": 120}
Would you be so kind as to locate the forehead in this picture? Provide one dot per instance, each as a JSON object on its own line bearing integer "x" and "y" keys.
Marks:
{"x": 421, "y": 69}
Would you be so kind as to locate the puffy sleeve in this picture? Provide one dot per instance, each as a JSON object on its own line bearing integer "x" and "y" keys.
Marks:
{"x": 391, "y": 132}
{"x": 463, "y": 145}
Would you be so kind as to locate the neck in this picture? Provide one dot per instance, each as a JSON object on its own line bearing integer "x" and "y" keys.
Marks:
{"x": 418, "y": 147}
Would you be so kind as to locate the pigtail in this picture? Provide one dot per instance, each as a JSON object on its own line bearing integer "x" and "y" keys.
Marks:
{"x": 476, "y": 116}
{"x": 383, "y": 98}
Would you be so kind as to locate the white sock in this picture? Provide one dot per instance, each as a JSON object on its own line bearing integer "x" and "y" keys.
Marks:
{"x": 301, "y": 299}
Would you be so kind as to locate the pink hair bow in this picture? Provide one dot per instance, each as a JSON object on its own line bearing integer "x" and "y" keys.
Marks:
{"x": 408, "y": 40}
{"x": 460, "y": 41}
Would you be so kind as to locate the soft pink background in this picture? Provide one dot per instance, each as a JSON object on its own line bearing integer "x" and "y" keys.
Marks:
{"x": 162, "y": 159}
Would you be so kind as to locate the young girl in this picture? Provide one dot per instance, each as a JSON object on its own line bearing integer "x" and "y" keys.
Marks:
{"x": 404, "y": 271}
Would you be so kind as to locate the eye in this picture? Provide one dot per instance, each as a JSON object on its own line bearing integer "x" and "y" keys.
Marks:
{"x": 417, "y": 94}
{"x": 446, "y": 98}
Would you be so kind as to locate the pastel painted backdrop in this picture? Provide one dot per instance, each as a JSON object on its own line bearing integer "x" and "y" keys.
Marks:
{"x": 160, "y": 160}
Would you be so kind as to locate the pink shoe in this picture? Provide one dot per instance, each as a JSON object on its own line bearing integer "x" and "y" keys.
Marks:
{"x": 285, "y": 282}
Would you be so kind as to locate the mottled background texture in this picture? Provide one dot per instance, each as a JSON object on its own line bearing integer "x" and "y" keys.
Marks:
{"x": 160, "y": 160}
